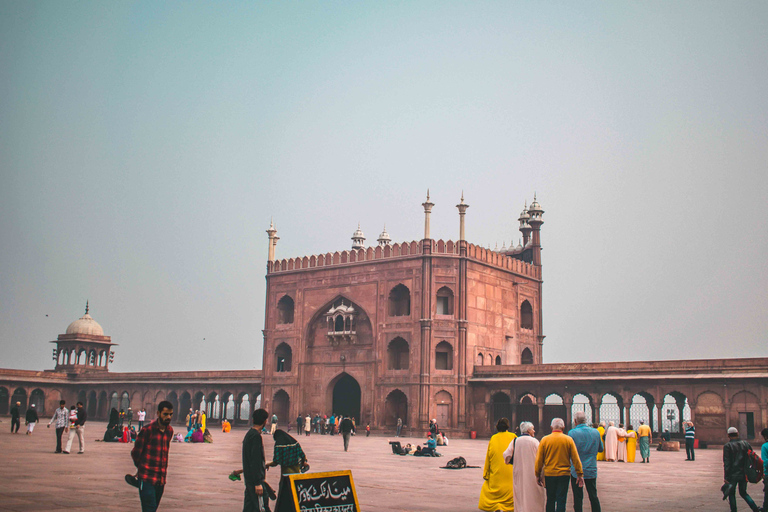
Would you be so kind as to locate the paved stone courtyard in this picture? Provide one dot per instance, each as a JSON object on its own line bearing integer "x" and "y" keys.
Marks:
{"x": 34, "y": 478}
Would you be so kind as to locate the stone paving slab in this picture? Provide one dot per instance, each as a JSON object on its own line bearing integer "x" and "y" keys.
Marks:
{"x": 33, "y": 478}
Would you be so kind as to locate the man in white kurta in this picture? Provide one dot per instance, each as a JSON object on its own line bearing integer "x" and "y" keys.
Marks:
{"x": 621, "y": 454}
{"x": 611, "y": 443}
{"x": 529, "y": 495}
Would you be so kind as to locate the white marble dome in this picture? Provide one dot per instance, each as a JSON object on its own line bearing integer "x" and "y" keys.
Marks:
{"x": 85, "y": 325}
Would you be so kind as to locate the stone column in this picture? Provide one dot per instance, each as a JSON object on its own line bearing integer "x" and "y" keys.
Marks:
{"x": 625, "y": 412}
{"x": 541, "y": 416}
{"x": 568, "y": 415}
{"x": 427, "y": 210}
{"x": 461, "y": 314}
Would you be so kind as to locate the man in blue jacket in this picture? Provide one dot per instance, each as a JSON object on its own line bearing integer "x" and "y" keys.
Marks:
{"x": 764, "y": 456}
{"x": 588, "y": 444}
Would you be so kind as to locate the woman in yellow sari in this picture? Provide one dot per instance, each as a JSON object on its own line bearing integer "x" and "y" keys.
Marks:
{"x": 601, "y": 429}
{"x": 631, "y": 444}
{"x": 496, "y": 493}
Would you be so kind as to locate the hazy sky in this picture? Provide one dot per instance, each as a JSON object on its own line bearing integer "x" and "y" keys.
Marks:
{"x": 144, "y": 147}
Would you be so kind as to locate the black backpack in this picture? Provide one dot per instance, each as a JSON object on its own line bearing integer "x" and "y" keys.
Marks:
{"x": 753, "y": 466}
{"x": 457, "y": 463}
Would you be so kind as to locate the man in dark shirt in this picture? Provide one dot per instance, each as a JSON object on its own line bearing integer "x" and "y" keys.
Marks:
{"x": 347, "y": 427}
{"x": 15, "y": 418}
{"x": 254, "y": 465}
{"x": 734, "y": 457}
{"x": 31, "y": 419}
{"x": 78, "y": 430}
{"x": 150, "y": 456}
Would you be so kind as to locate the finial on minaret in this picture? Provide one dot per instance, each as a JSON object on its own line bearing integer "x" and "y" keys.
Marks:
{"x": 86, "y": 306}
{"x": 358, "y": 238}
{"x": 462, "y": 206}
{"x": 384, "y": 238}
{"x": 427, "y": 209}
{"x": 273, "y": 238}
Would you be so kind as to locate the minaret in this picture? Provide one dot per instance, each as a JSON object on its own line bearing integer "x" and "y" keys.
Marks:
{"x": 358, "y": 238}
{"x": 535, "y": 222}
{"x": 462, "y": 206}
{"x": 525, "y": 228}
{"x": 384, "y": 238}
{"x": 273, "y": 238}
{"x": 427, "y": 210}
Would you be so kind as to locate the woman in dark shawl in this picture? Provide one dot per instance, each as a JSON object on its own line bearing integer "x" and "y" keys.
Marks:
{"x": 291, "y": 459}
{"x": 113, "y": 418}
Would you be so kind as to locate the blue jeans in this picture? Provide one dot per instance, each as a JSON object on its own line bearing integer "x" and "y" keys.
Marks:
{"x": 557, "y": 492}
{"x": 399, "y": 428}
{"x": 150, "y": 496}
{"x": 742, "y": 487}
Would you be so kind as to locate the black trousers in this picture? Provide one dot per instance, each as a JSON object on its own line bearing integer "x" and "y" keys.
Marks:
{"x": 689, "y": 449}
{"x": 59, "y": 431}
{"x": 765, "y": 493}
{"x": 578, "y": 494}
{"x": 743, "y": 493}
{"x": 15, "y": 422}
{"x": 253, "y": 502}
{"x": 557, "y": 492}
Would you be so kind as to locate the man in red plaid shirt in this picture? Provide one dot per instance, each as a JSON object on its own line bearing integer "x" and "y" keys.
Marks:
{"x": 150, "y": 455}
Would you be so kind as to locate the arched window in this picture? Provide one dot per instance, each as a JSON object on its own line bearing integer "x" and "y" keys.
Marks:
{"x": 444, "y": 356}
{"x": 338, "y": 325}
{"x": 480, "y": 359}
{"x": 498, "y": 360}
{"x": 399, "y": 301}
{"x": 526, "y": 315}
{"x": 444, "y": 301}
{"x": 285, "y": 310}
{"x": 526, "y": 357}
{"x": 397, "y": 353}
{"x": 283, "y": 355}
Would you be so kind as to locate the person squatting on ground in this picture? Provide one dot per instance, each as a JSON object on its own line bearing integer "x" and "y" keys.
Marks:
{"x": 347, "y": 427}
{"x": 734, "y": 459}
{"x": 588, "y": 444}
{"x": 496, "y": 493}
{"x": 150, "y": 456}
{"x": 556, "y": 453}
{"x": 77, "y": 428}
{"x": 521, "y": 454}
{"x": 61, "y": 417}
{"x": 254, "y": 465}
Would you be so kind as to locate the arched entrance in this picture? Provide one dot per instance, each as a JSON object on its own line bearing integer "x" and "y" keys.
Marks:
{"x": 281, "y": 406}
{"x": 395, "y": 406}
{"x": 346, "y": 397}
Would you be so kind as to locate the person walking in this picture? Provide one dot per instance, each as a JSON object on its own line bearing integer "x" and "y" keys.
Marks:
{"x": 15, "y": 418}
{"x": 588, "y": 444}
{"x": 690, "y": 437}
{"x": 496, "y": 493}
{"x": 764, "y": 456}
{"x": 254, "y": 465}
{"x": 307, "y": 426}
{"x": 644, "y": 440}
{"x": 346, "y": 427}
{"x": 734, "y": 458}
{"x": 150, "y": 456}
{"x": 399, "y": 426}
{"x": 129, "y": 417}
{"x": 274, "y": 424}
{"x": 61, "y": 418}
{"x": 31, "y": 418}
{"x": 556, "y": 453}
{"x": 142, "y": 415}
{"x": 521, "y": 453}
{"x": 78, "y": 428}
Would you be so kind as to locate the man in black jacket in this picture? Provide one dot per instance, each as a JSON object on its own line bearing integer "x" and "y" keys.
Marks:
{"x": 347, "y": 427}
{"x": 254, "y": 465}
{"x": 15, "y": 418}
{"x": 734, "y": 457}
{"x": 31, "y": 419}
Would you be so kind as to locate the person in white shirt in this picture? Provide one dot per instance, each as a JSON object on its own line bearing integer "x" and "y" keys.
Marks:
{"x": 141, "y": 415}
{"x": 60, "y": 418}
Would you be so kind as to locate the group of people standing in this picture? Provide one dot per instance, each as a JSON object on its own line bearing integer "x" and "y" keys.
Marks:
{"x": 71, "y": 421}
{"x": 30, "y": 418}
{"x": 528, "y": 475}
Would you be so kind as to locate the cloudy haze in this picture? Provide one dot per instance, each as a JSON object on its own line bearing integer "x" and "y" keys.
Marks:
{"x": 145, "y": 146}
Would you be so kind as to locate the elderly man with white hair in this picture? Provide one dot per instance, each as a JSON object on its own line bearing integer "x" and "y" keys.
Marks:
{"x": 521, "y": 453}
{"x": 557, "y": 452}
{"x": 588, "y": 444}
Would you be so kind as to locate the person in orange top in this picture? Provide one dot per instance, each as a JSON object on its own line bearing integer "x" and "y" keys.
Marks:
{"x": 557, "y": 452}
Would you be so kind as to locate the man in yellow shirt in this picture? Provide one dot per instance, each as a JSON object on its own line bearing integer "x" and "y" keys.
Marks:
{"x": 644, "y": 439}
{"x": 557, "y": 452}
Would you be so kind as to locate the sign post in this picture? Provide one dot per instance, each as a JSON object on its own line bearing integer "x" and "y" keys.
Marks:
{"x": 332, "y": 491}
